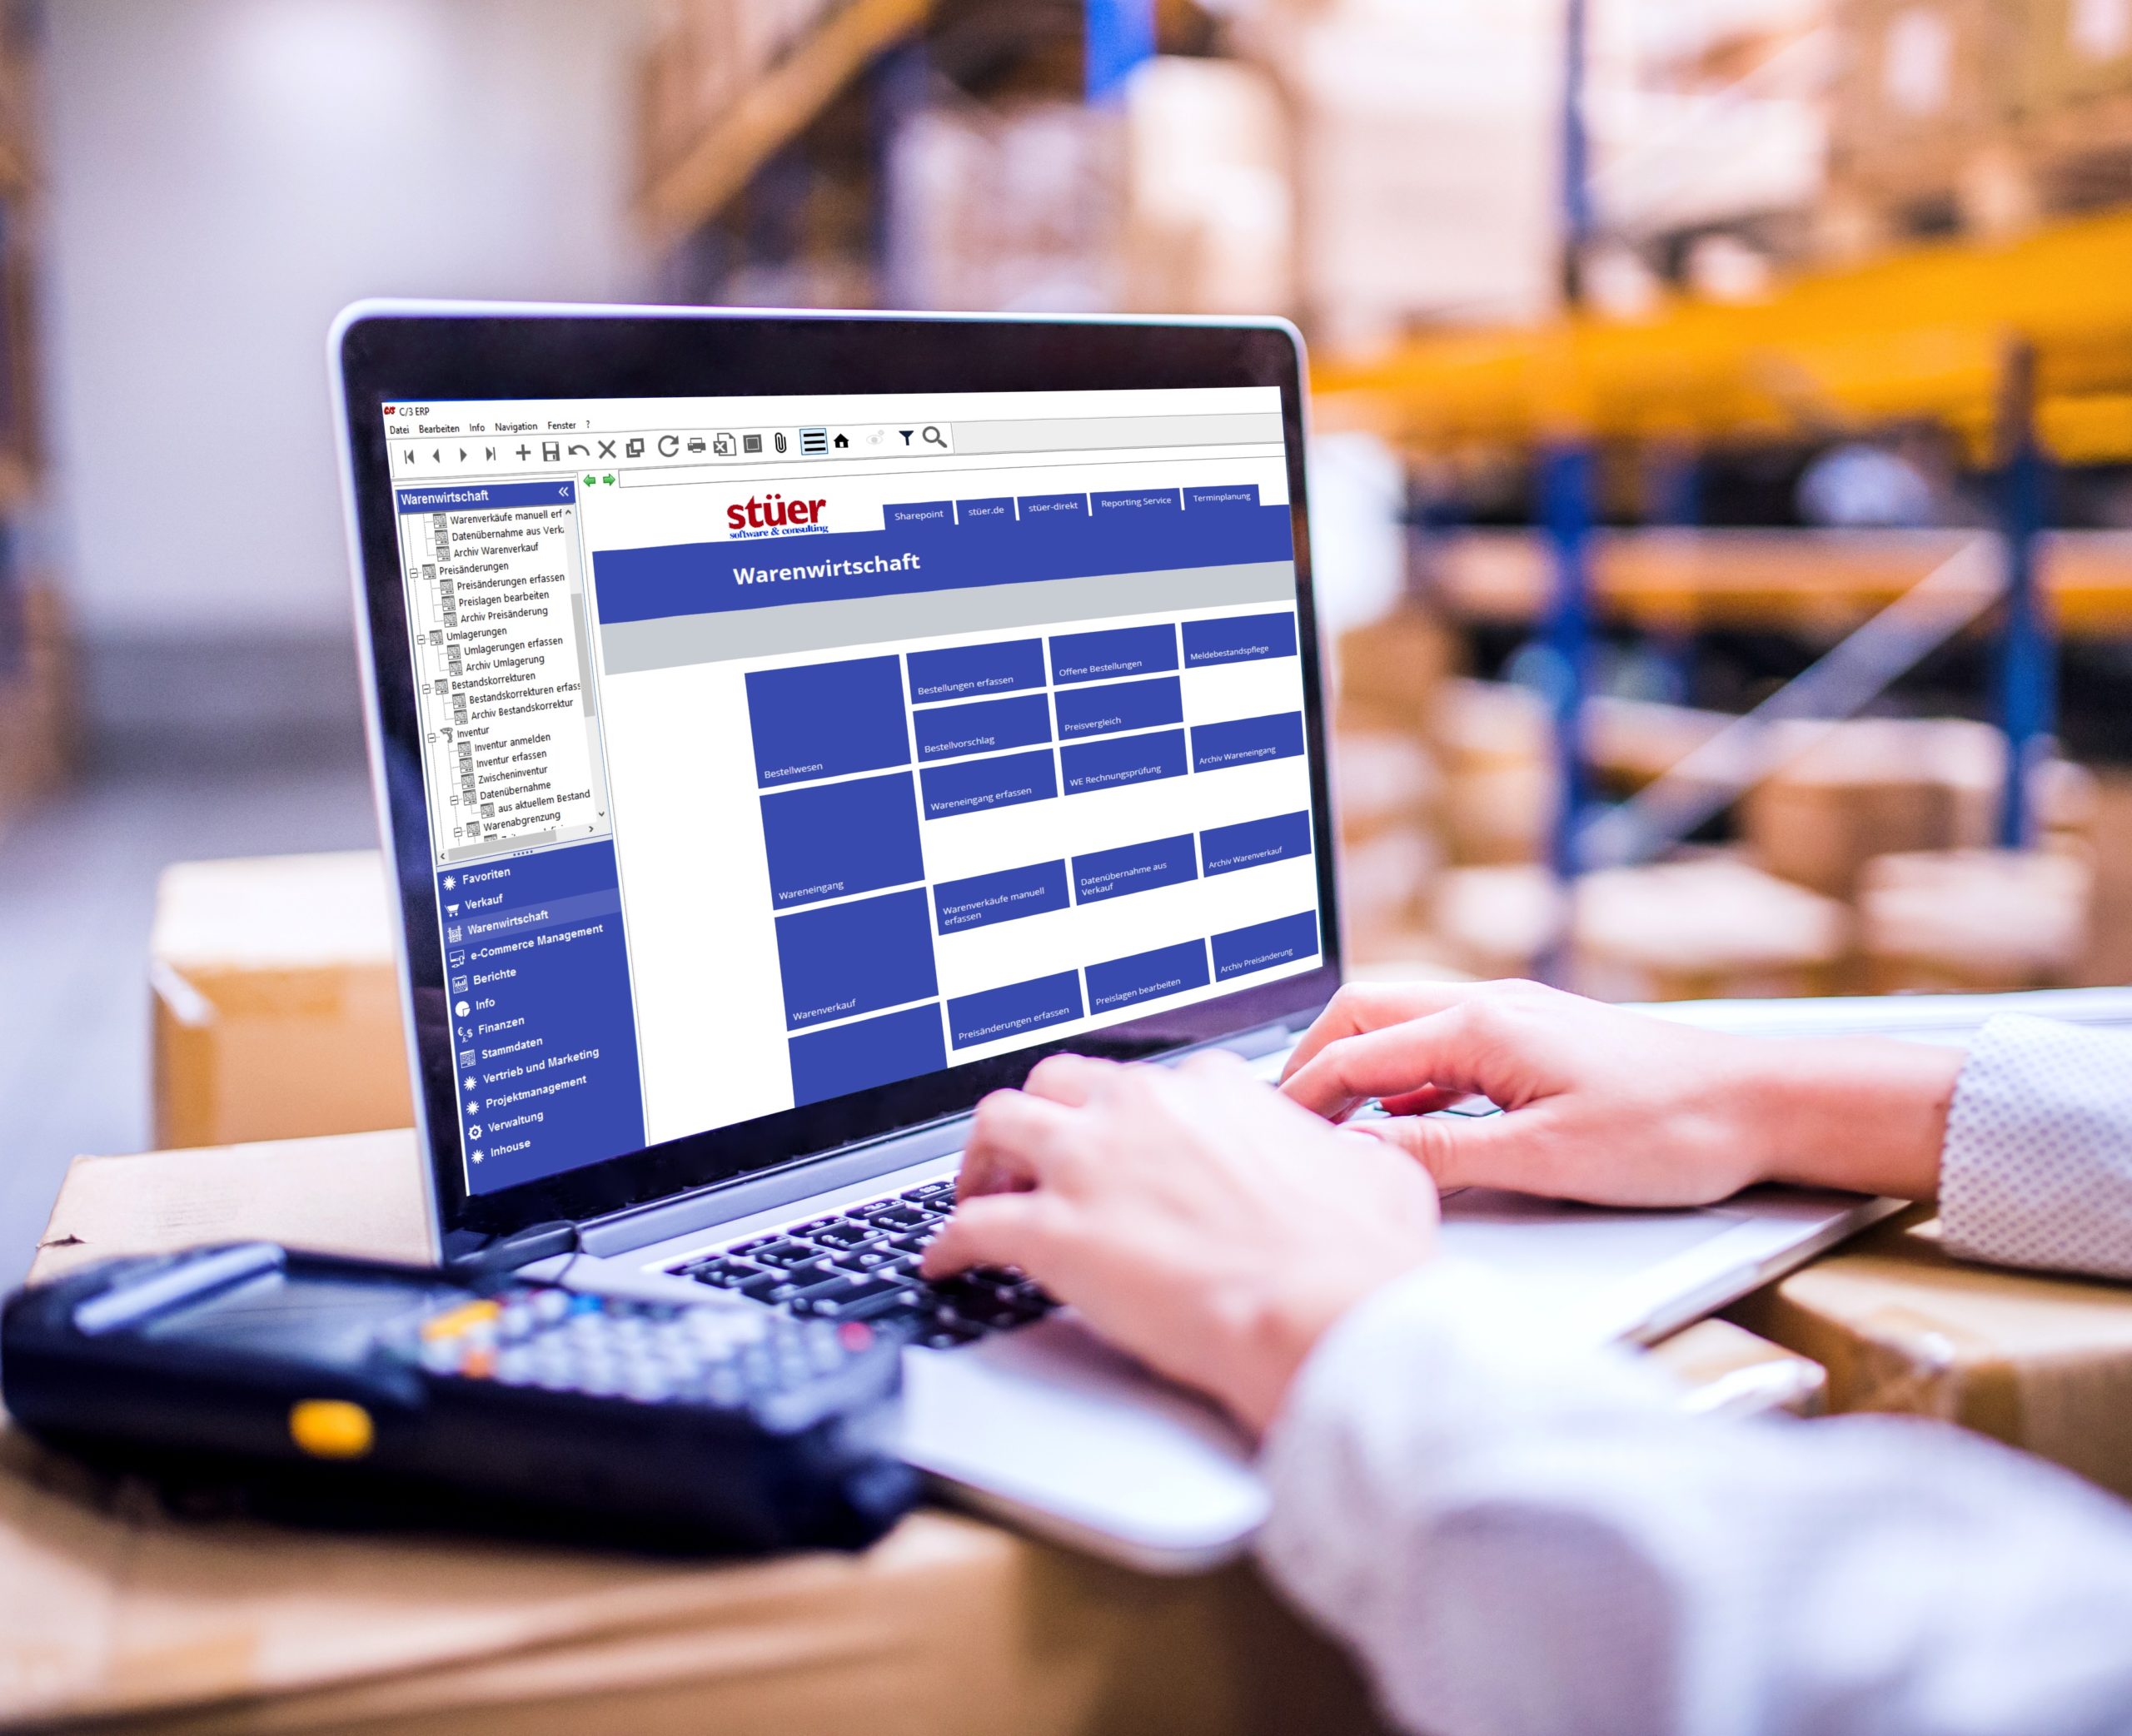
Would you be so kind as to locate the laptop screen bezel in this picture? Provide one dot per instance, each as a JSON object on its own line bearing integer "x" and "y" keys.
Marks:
{"x": 390, "y": 355}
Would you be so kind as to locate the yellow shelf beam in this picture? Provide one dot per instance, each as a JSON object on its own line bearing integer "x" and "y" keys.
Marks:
{"x": 1821, "y": 583}
{"x": 703, "y": 180}
{"x": 1921, "y": 336}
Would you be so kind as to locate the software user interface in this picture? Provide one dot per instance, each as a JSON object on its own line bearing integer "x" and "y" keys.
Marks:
{"x": 776, "y": 749}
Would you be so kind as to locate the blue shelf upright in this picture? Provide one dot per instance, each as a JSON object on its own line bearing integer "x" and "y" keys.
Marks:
{"x": 2028, "y": 651}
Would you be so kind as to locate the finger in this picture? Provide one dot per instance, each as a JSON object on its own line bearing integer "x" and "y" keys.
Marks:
{"x": 1361, "y": 1007}
{"x": 1495, "y": 1151}
{"x": 1006, "y": 1229}
{"x": 1068, "y": 1078}
{"x": 1218, "y": 1066}
{"x": 1426, "y": 1100}
{"x": 1014, "y": 1141}
{"x": 1439, "y": 1050}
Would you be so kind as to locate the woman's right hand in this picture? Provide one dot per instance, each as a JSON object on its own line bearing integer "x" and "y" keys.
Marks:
{"x": 1617, "y": 1107}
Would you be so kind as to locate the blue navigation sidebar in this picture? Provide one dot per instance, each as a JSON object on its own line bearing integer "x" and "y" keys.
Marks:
{"x": 537, "y": 980}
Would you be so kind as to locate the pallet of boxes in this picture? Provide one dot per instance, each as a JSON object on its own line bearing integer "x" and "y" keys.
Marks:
{"x": 1975, "y": 117}
{"x": 1864, "y": 861}
{"x": 1387, "y": 790}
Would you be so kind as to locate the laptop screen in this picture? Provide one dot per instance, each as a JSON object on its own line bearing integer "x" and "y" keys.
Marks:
{"x": 783, "y": 749}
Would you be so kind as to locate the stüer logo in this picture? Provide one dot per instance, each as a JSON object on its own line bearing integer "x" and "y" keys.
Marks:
{"x": 758, "y": 513}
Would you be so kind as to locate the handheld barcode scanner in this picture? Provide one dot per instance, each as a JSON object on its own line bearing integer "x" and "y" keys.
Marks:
{"x": 317, "y": 1387}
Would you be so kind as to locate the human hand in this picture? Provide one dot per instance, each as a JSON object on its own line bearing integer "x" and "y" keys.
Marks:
{"x": 1193, "y": 1216}
{"x": 1620, "y": 1108}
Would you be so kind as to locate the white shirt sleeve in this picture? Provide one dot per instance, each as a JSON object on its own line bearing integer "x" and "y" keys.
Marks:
{"x": 1519, "y": 1534}
{"x": 2037, "y": 1167}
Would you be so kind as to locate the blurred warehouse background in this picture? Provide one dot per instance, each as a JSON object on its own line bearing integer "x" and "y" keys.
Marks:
{"x": 1723, "y": 484}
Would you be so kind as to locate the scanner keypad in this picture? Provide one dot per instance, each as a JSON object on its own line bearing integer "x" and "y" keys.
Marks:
{"x": 654, "y": 1353}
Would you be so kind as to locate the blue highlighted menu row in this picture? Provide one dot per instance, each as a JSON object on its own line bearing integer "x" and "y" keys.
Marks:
{"x": 971, "y": 672}
{"x": 973, "y": 786}
{"x": 871, "y": 1052}
{"x": 1014, "y": 1011}
{"x": 827, "y": 719}
{"x": 1245, "y": 741}
{"x": 836, "y": 840}
{"x": 1225, "y": 849}
{"x": 982, "y": 899}
{"x": 1118, "y": 705}
{"x": 1113, "y": 654}
{"x": 1135, "y": 867}
{"x": 946, "y": 731}
{"x": 844, "y": 959}
{"x": 1239, "y": 638}
{"x": 537, "y": 994}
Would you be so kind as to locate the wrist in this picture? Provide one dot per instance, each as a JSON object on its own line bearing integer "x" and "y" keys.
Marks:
{"x": 1867, "y": 1115}
{"x": 1270, "y": 1332}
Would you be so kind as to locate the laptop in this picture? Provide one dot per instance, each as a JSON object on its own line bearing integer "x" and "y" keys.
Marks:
{"x": 789, "y": 728}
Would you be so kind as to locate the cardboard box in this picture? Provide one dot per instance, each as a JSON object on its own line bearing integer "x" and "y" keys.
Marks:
{"x": 2039, "y": 1362}
{"x": 1704, "y": 929}
{"x": 1874, "y": 787}
{"x": 1973, "y": 922}
{"x": 1389, "y": 673}
{"x": 2072, "y": 52}
{"x": 1924, "y": 95}
{"x": 110, "y": 1609}
{"x": 276, "y": 1000}
{"x": 1497, "y": 922}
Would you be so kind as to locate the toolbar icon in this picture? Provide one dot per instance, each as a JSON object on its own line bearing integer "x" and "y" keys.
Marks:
{"x": 722, "y": 444}
{"x": 779, "y": 438}
{"x": 634, "y": 447}
{"x": 814, "y": 441}
{"x": 669, "y": 445}
{"x": 753, "y": 443}
{"x": 551, "y": 451}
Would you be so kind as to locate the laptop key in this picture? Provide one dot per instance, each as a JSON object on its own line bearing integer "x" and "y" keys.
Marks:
{"x": 783, "y": 1253}
{"x": 802, "y": 1297}
{"x": 843, "y": 1234}
{"x": 898, "y": 1216}
{"x": 724, "y": 1273}
{"x": 866, "y": 1300}
{"x": 863, "y": 1260}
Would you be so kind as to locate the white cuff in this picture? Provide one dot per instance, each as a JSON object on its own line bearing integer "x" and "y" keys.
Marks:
{"x": 2037, "y": 1167}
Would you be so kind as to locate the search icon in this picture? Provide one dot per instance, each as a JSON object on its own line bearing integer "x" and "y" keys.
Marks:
{"x": 934, "y": 437}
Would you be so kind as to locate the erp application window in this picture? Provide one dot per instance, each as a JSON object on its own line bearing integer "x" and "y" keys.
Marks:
{"x": 777, "y": 750}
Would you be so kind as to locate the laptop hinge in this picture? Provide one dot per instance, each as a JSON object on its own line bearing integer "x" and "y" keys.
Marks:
{"x": 507, "y": 1253}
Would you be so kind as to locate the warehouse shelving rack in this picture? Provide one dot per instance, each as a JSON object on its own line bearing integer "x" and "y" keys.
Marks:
{"x": 2022, "y": 349}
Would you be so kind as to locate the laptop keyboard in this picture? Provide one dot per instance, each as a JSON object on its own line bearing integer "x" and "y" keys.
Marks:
{"x": 862, "y": 1264}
